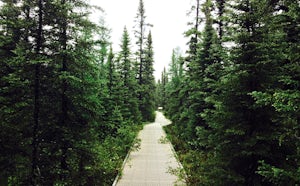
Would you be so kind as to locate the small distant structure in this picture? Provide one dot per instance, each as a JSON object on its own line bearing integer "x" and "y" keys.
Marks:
{"x": 160, "y": 108}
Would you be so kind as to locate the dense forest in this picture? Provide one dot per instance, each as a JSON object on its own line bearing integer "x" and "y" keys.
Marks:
{"x": 234, "y": 96}
{"x": 70, "y": 106}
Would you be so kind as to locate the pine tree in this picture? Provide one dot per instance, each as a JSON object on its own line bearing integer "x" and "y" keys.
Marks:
{"x": 193, "y": 32}
{"x": 62, "y": 107}
{"x": 114, "y": 85}
{"x": 241, "y": 110}
{"x": 48, "y": 69}
{"x": 242, "y": 132}
{"x": 158, "y": 93}
{"x": 140, "y": 34}
{"x": 281, "y": 34}
{"x": 36, "y": 117}
{"x": 130, "y": 86}
{"x": 104, "y": 37}
{"x": 164, "y": 82}
{"x": 196, "y": 86}
{"x": 72, "y": 85}
{"x": 220, "y": 5}
{"x": 147, "y": 106}
{"x": 184, "y": 93}
{"x": 173, "y": 87}
{"x": 14, "y": 95}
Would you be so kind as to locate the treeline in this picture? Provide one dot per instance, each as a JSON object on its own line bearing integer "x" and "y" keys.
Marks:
{"x": 234, "y": 98}
{"x": 70, "y": 107}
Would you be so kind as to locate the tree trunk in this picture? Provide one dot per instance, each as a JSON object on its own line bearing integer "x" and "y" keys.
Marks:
{"x": 221, "y": 7}
{"x": 35, "y": 142}
{"x": 64, "y": 101}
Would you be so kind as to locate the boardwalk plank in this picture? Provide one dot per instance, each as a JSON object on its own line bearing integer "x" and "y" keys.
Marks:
{"x": 150, "y": 165}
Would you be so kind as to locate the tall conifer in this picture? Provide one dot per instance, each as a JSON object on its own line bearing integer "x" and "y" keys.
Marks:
{"x": 144, "y": 68}
{"x": 130, "y": 85}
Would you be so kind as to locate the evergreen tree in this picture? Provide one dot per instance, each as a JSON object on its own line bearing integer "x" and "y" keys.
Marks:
{"x": 164, "y": 82}
{"x": 243, "y": 122}
{"x": 172, "y": 88}
{"x": 198, "y": 71}
{"x": 36, "y": 111}
{"x": 143, "y": 65}
{"x": 241, "y": 111}
{"x": 193, "y": 32}
{"x": 147, "y": 106}
{"x": 220, "y": 5}
{"x": 243, "y": 134}
{"x": 48, "y": 68}
{"x": 281, "y": 35}
{"x": 15, "y": 97}
{"x": 114, "y": 84}
{"x": 104, "y": 37}
{"x": 158, "y": 92}
{"x": 184, "y": 93}
{"x": 130, "y": 87}
{"x": 140, "y": 35}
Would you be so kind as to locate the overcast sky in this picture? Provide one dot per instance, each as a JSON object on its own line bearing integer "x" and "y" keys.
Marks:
{"x": 168, "y": 17}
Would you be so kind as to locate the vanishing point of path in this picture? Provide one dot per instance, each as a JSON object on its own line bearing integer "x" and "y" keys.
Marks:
{"x": 151, "y": 164}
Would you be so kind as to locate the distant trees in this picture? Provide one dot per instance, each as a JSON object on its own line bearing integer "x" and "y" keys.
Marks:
{"x": 172, "y": 84}
{"x": 237, "y": 122}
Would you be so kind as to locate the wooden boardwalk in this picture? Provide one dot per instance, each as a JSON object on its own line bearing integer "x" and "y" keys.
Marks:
{"x": 151, "y": 164}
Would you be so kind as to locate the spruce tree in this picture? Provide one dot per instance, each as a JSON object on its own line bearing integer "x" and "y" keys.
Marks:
{"x": 281, "y": 34}
{"x": 164, "y": 82}
{"x": 140, "y": 35}
{"x": 114, "y": 85}
{"x": 194, "y": 34}
{"x": 103, "y": 41}
{"x": 242, "y": 132}
{"x": 130, "y": 85}
{"x": 172, "y": 88}
{"x": 158, "y": 92}
{"x": 48, "y": 69}
{"x": 15, "y": 97}
{"x": 143, "y": 67}
{"x": 241, "y": 110}
{"x": 147, "y": 106}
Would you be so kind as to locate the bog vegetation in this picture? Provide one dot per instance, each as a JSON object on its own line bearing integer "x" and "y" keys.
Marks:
{"x": 70, "y": 107}
{"x": 234, "y": 97}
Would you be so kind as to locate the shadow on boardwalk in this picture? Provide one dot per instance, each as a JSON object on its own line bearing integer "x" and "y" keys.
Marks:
{"x": 152, "y": 163}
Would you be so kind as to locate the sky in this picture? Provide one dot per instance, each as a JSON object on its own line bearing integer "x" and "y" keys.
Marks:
{"x": 169, "y": 19}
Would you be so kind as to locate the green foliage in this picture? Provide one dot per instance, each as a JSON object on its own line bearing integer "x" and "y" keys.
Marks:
{"x": 235, "y": 110}
{"x": 144, "y": 67}
{"x": 278, "y": 176}
{"x": 130, "y": 86}
{"x": 64, "y": 118}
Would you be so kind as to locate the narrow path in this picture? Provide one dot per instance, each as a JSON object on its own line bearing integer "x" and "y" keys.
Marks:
{"x": 150, "y": 165}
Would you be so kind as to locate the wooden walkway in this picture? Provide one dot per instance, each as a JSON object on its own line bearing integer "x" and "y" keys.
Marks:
{"x": 151, "y": 164}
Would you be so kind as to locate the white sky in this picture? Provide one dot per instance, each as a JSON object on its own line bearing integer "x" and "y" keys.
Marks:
{"x": 168, "y": 17}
